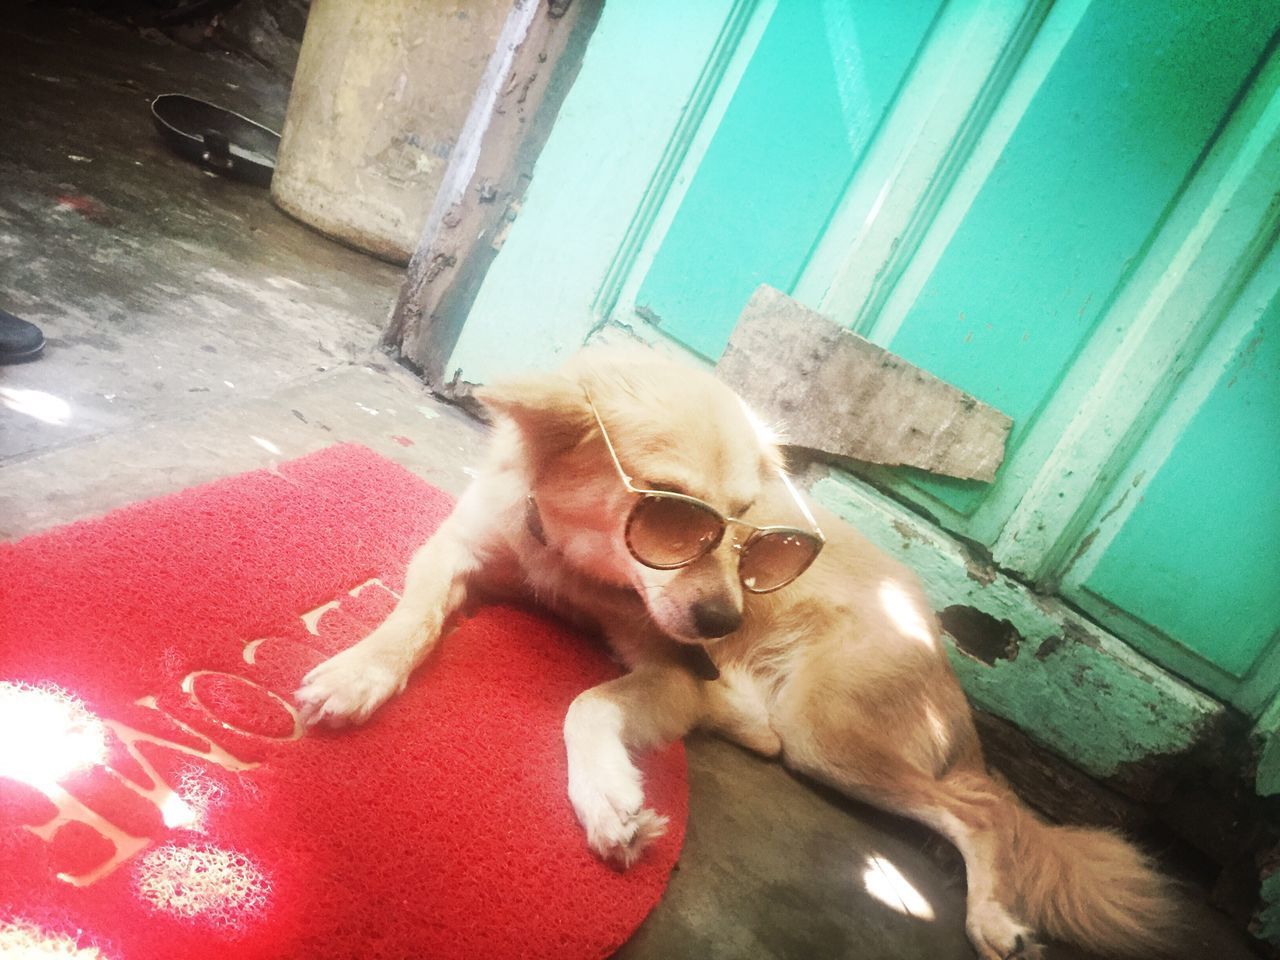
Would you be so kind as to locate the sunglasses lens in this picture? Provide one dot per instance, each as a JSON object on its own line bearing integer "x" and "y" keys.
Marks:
{"x": 775, "y": 558}
{"x": 670, "y": 532}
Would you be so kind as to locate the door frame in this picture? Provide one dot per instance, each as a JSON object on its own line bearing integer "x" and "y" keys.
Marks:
{"x": 578, "y": 235}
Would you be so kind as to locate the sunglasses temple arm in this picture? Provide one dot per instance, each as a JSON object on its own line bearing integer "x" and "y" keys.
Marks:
{"x": 613, "y": 454}
{"x": 804, "y": 507}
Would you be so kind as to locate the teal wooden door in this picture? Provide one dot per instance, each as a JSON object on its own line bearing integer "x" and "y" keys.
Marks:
{"x": 1066, "y": 208}
{"x": 1016, "y": 289}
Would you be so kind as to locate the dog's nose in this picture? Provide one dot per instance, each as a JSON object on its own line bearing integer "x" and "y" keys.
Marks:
{"x": 715, "y": 618}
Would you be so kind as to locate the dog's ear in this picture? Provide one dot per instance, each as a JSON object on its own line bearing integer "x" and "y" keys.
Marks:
{"x": 550, "y": 410}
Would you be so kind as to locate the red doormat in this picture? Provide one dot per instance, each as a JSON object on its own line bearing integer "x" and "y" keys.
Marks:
{"x": 158, "y": 800}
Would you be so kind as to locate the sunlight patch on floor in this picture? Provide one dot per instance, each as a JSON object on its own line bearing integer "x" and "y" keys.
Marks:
{"x": 36, "y": 403}
{"x": 886, "y": 883}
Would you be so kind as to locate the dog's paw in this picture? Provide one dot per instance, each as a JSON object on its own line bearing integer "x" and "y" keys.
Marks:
{"x": 348, "y": 687}
{"x": 621, "y": 836}
{"x": 611, "y": 810}
{"x": 998, "y": 936}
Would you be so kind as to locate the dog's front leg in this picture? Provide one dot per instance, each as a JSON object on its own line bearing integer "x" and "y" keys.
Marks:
{"x": 350, "y": 685}
{"x": 649, "y": 707}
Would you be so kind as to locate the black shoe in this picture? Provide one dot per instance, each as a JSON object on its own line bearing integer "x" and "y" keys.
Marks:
{"x": 19, "y": 340}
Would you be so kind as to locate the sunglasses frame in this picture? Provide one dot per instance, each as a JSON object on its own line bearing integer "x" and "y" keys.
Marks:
{"x": 815, "y": 535}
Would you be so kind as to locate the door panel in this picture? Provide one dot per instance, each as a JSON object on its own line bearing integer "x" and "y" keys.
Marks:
{"x": 1189, "y": 546}
{"x": 820, "y": 81}
{"x": 1104, "y": 147}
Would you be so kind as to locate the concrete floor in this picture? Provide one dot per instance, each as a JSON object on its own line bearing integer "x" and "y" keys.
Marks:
{"x": 195, "y": 332}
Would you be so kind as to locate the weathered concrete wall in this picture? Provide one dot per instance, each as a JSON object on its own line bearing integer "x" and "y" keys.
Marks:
{"x": 1267, "y": 744}
{"x": 1266, "y": 924}
{"x": 380, "y": 94}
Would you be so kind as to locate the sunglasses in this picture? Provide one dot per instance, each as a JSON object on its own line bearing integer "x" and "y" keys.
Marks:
{"x": 667, "y": 530}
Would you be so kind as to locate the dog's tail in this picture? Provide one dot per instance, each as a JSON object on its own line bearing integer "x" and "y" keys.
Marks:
{"x": 1089, "y": 886}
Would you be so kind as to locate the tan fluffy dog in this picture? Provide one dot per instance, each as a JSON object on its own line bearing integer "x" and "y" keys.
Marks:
{"x": 840, "y": 674}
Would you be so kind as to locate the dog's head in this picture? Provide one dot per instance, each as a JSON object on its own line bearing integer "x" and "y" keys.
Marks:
{"x": 674, "y": 428}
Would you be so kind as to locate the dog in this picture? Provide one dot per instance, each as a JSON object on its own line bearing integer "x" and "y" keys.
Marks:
{"x": 639, "y": 497}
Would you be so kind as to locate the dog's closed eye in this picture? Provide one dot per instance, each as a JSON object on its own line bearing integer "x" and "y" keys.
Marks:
{"x": 665, "y": 487}
{"x": 736, "y": 509}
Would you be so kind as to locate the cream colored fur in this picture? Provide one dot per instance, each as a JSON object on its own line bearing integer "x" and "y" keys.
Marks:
{"x": 841, "y": 674}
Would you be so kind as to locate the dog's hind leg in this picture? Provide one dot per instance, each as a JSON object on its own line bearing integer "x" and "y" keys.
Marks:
{"x": 647, "y": 708}
{"x": 350, "y": 685}
{"x": 974, "y": 813}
